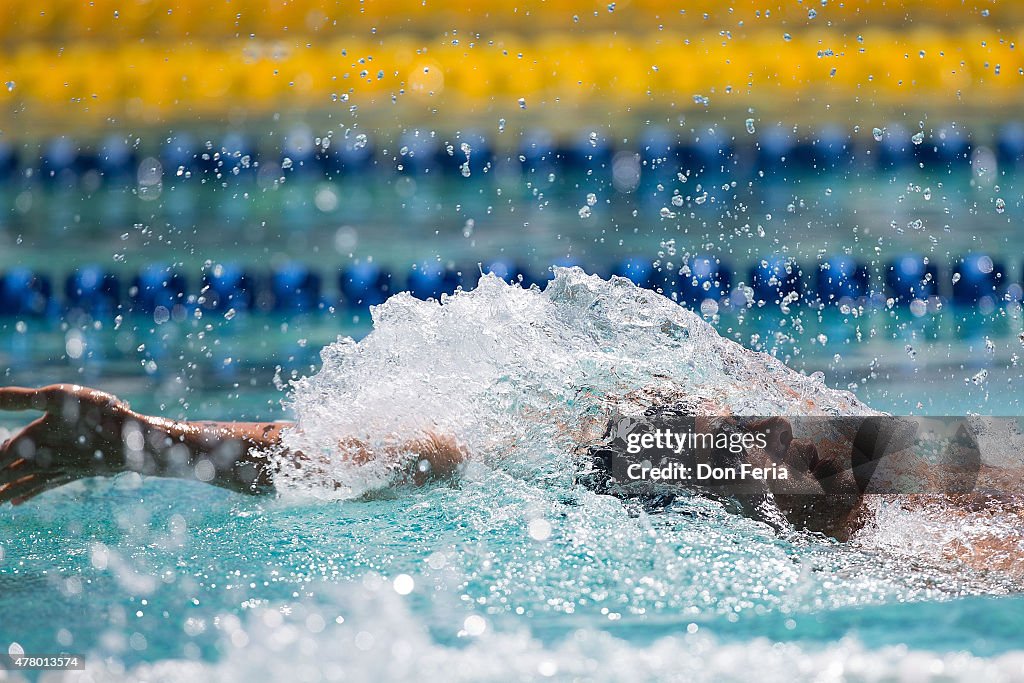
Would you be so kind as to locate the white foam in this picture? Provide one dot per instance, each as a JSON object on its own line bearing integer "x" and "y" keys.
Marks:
{"x": 380, "y": 639}
{"x": 522, "y": 377}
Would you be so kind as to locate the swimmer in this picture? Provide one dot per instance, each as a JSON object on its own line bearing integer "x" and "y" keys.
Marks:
{"x": 85, "y": 433}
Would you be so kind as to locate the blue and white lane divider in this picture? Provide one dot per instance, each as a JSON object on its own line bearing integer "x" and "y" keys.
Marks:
{"x": 181, "y": 155}
{"x": 293, "y": 287}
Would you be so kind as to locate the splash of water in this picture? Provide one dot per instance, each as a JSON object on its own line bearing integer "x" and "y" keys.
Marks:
{"x": 368, "y": 633}
{"x": 523, "y": 377}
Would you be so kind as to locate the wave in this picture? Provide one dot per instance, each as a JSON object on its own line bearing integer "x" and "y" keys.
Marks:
{"x": 369, "y": 633}
{"x": 522, "y": 377}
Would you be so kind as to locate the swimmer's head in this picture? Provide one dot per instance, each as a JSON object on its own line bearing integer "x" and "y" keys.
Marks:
{"x": 821, "y": 492}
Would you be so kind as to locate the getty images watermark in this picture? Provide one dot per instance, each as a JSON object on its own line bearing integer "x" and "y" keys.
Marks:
{"x": 666, "y": 440}
{"x": 884, "y": 454}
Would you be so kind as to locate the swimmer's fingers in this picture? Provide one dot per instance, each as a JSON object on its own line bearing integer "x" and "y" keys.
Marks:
{"x": 440, "y": 457}
{"x": 31, "y": 485}
{"x": 21, "y": 450}
{"x": 27, "y": 465}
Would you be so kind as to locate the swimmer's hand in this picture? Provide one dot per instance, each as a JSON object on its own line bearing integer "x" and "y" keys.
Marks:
{"x": 78, "y": 436}
{"x": 436, "y": 457}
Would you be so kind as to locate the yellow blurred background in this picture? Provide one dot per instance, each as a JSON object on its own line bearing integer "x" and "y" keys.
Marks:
{"x": 91, "y": 64}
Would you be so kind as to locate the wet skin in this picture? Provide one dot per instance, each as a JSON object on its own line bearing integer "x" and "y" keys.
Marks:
{"x": 85, "y": 432}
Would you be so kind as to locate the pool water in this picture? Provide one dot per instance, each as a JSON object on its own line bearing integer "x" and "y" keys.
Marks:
{"x": 530, "y": 214}
{"x": 515, "y": 572}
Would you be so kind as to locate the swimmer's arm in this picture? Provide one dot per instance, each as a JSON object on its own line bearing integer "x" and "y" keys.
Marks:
{"x": 85, "y": 433}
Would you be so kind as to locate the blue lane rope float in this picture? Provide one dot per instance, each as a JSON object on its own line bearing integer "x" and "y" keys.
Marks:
{"x": 158, "y": 285}
{"x": 707, "y": 278}
{"x": 364, "y": 284}
{"x": 25, "y": 293}
{"x": 976, "y": 277}
{"x": 775, "y": 278}
{"x": 841, "y": 279}
{"x": 910, "y": 277}
{"x": 92, "y": 290}
{"x": 431, "y": 279}
{"x": 227, "y": 286}
{"x": 293, "y": 287}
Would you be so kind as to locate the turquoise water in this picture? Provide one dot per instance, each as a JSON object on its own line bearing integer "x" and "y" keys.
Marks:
{"x": 532, "y": 217}
{"x": 515, "y": 572}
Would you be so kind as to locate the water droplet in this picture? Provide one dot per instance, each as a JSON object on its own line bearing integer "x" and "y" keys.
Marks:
{"x": 910, "y": 351}
{"x": 501, "y": 125}
{"x": 10, "y": 86}
{"x": 1000, "y": 205}
{"x": 593, "y": 138}
{"x": 750, "y": 126}
{"x": 522, "y": 103}
{"x": 956, "y": 278}
{"x": 230, "y": 314}
{"x": 540, "y": 529}
{"x": 877, "y": 133}
{"x": 812, "y": 13}
{"x": 918, "y": 137}
{"x": 286, "y": 163}
{"x": 403, "y": 584}
{"x": 474, "y": 625}
{"x": 667, "y": 212}
{"x": 786, "y": 37}
{"x": 591, "y": 199}
{"x": 585, "y": 212}
{"x": 360, "y": 141}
